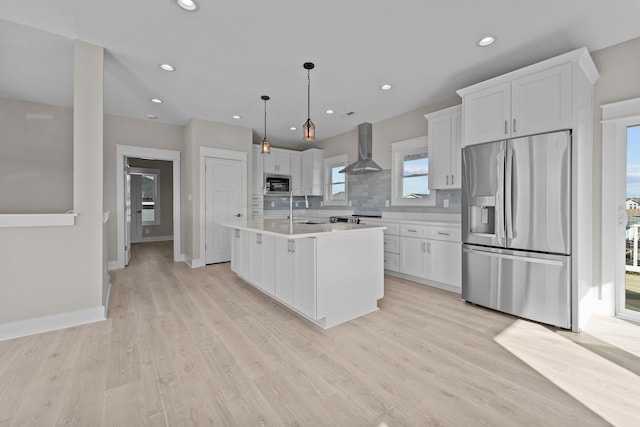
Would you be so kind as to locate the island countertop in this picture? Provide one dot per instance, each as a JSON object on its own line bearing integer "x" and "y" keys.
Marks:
{"x": 280, "y": 227}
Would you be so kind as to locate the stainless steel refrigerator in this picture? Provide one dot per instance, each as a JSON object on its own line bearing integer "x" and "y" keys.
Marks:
{"x": 516, "y": 227}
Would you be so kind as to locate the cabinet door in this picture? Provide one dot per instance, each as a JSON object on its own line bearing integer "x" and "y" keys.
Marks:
{"x": 439, "y": 152}
{"x": 312, "y": 171}
{"x": 455, "y": 179}
{"x": 256, "y": 267}
{"x": 413, "y": 256}
{"x": 270, "y": 162}
{"x": 283, "y": 163}
{"x": 487, "y": 114}
{"x": 541, "y": 102}
{"x": 284, "y": 271}
{"x": 257, "y": 171}
{"x": 269, "y": 267}
{"x": 304, "y": 276}
{"x": 236, "y": 251}
{"x": 296, "y": 170}
{"x": 445, "y": 262}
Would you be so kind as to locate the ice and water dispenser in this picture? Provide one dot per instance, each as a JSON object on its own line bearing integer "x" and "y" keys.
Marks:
{"x": 482, "y": 214}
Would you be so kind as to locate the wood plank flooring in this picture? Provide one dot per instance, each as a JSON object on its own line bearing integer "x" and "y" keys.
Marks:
{"x": 187, "y": 347}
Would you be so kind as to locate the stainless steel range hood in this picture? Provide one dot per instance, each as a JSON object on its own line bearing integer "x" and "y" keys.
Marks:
{"x": 365, "y": 144}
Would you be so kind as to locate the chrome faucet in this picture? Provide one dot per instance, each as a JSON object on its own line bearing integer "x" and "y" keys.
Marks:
{"x": 306, "y": 203}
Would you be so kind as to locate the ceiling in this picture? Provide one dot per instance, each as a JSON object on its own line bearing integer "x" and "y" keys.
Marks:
{"x": 230, "y": 52}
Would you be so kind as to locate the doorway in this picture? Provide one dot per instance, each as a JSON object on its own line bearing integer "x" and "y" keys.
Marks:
{"x": 223, "y": 192}
{"x": 223, "y": 201}
{"x": 123, "y": 213}
{"x": 620, "y": 289}
{"x": 630, "y": 290}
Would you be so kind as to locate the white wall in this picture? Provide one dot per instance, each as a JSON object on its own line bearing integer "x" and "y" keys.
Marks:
{"x": 398, "y": 128}
{"x": 202, "y": 133}
{"x": 36, "y": 157}
{"x": 136, "y": 132}
{"x": 52, "y": 271}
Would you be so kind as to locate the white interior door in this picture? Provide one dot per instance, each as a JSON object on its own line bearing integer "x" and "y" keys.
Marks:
{"x": 127, "y": 213}
{"x": 223, "y": 201}
{"x": 136, "y": 208}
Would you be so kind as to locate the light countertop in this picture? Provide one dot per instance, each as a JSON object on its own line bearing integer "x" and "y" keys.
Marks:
{"x": 280, "y": 227}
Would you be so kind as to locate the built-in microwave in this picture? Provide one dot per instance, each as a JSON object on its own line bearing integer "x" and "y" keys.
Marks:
{"x": 277, "y": 184}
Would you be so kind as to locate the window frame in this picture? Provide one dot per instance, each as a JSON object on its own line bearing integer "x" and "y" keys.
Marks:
{"x": 156, "y": 173}
{"x": 329, "y": 164}
{"x": 399, "y": 150}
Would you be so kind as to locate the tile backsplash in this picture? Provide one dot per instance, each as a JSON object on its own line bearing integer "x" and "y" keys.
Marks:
{"x": 368, "y": 193}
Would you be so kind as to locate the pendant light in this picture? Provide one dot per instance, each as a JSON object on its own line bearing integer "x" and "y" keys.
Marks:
{"x": 266, "y": 145}
{"x": 309, "y": 128}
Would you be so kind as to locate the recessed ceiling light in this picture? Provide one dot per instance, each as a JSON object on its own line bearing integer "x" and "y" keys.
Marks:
{"x": 237, "y": 117}
{"x": 188, "y": 5}
{"x": 156, "y": 100}
{"x": 329, "y": 111}
{"x": 293, "y": 128}
{"x": 151, "y": 117}
{"x": 486, "y": 41}
{"x": 167, "y": 67}
{"x": 385, "y": 86}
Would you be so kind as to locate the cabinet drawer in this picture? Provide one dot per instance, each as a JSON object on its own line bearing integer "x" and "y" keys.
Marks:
{"x": 448, "y": 234}
{"x": 392, "y": 244}
{"x": 391, "y": 262}
{"x": 413, "y": 230}
{"x": 393, "y": 229}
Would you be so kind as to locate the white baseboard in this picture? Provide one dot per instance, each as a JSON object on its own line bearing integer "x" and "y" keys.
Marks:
{"x": 194, "y": 263}
{"x": 153, "y": 239}
{"x": 433, "y": 284}
{"x": 113, "y": 265}
{"x": 54, "y": 322}
{"x": 106, "y": 300}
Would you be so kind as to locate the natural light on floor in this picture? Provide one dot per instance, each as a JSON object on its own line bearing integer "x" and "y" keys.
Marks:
{"x": 604, "y": 387}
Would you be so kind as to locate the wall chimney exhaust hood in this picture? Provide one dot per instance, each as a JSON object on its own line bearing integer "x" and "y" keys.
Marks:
{"x": 365, "y": 151}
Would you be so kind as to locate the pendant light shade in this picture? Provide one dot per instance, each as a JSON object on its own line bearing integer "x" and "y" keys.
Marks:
{"x": 309, "y": 129}
{"x": 266, "y": 145}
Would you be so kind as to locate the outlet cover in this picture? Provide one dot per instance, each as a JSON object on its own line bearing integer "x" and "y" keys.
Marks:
{"x": 446, "y": 203}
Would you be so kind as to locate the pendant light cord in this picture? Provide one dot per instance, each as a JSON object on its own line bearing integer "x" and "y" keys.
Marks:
{"x": 265, "y": 120}
{"x": 308, "y": 95}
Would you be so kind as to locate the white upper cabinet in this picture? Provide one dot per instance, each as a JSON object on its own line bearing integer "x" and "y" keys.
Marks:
{"x": 541, "y": 102}
{"x": 534, "y": 102}
{"x": 296, "y": 169}
{"x": 445, "y": 137}
{"x": 312, "y": 171}
{"x": 278, "y": 162}
{"x": 257, "y": 170}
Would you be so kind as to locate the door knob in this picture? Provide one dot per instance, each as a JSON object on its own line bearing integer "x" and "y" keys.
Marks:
{"x": 239, "y": 215}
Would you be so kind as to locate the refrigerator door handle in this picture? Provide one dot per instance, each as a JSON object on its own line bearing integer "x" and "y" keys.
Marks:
{"x": 508, "y": 196}
{"x": 499, "y": 198}
{"x": 517, "y": 257}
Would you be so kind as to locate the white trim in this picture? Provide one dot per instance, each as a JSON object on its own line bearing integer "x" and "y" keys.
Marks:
{"x": 106, "y": 300}
{"x": 37, "y": 220}
{"x": 158, "y": 202}
{"x": 123, "y": 151}
{"x": 330, "y": 163}
{"x": 218, "y": 153}
{"x": 155, "y": 239}
{"x": 616, "y": 117}
{"x": 23, "y": 328}
{"x": 400, "y": 149}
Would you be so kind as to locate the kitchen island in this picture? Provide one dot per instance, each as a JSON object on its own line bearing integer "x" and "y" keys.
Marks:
{"x": 327, "y": 272}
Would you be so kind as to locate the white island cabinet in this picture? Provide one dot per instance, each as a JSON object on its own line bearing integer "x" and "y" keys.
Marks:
{"x": 328, "y": 273}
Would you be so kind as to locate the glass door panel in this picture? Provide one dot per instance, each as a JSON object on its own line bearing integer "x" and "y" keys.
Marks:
{"x": 632, "y": 257}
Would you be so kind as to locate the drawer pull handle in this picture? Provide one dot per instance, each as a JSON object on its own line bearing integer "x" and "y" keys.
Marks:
{"x": 443, "y": 234}
{"x": 412, "y": 231}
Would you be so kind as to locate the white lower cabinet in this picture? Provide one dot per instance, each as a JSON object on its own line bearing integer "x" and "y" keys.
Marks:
{"x": 445, "y": 262}
{"x": 413, "y": 257}
{"x": 240, "y": 252}
{"x": 295, "y": 276}
{"x": 261, "y": 258}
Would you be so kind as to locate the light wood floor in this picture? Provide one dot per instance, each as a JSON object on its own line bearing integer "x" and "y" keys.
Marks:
{"x": 199, "y": 346}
